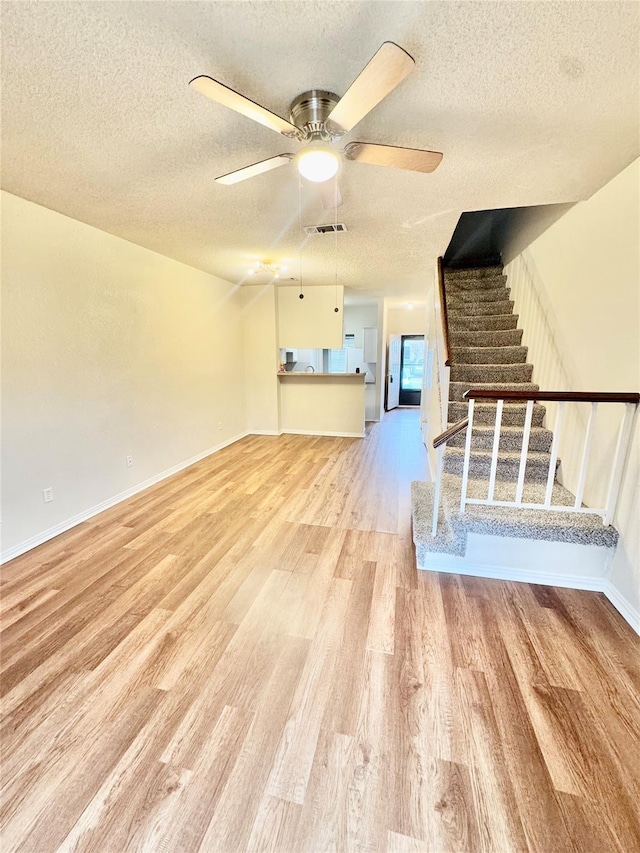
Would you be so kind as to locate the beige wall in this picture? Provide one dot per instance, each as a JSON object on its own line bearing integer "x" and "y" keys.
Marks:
{"x": 400, "y": 321}
{"x": 259, "y": 325}
{"x": 108, "y": 349}
{"x": 312, "y": 322}
{"x": 577, "y": 291}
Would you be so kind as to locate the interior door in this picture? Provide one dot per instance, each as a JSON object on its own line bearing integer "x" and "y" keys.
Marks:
{"x": 393, "y": 371}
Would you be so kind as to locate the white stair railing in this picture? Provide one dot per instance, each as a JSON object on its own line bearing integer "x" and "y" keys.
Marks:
{"x": 628, "y": 401}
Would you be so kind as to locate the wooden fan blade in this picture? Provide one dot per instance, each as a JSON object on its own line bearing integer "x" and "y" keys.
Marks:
{"x": 413, "y": 159}
{"x": 330, "y": 195}
{"x": 254, "y": 169}
{"x": 227, "y": 97}
{"x": 384, "y": 71}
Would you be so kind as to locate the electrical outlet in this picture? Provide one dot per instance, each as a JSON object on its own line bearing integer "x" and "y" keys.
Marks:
{"x": 219, "y": 424}
{"x": 129, "y": 461}
{"x": 47, "y": 494}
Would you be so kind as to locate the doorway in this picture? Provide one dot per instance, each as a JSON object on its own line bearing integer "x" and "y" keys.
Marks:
{"x": 411, "y": 369}
{"x": 392, "y": 391}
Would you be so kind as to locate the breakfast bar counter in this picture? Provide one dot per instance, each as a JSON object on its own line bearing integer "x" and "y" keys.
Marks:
{"x": 322, "y": 403}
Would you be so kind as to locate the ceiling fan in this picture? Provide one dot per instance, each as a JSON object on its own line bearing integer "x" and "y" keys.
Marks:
{"x": 319, "y": 119}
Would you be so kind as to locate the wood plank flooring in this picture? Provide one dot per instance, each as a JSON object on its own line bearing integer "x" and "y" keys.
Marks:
{"x": 244, "y": 658}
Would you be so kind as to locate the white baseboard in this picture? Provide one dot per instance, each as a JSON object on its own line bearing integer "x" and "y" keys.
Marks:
{"x": 63, "y": 526}
{"x": 305, "y": 432}
{"x": 319, "y": 432}
{"x": 624, "y": 608}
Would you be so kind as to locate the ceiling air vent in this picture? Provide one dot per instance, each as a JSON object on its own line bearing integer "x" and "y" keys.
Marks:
{"x": 325, "y": 229}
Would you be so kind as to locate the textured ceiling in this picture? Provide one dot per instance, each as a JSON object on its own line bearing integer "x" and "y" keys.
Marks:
{"x": 531, "y": 103}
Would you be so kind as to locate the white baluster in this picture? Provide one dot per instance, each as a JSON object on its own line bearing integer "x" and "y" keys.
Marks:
{"x": 467, "y": 455}
{"x": 436, "y": 494}
{"x": 585, "y": 455}
{"x": 496, "y": 447}
{"x": 554, "y": 455}
{"x": 624, "y": 440}
{"x": 525, "y": 449}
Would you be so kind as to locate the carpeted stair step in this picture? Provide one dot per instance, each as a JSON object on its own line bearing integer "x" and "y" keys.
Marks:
{"x": 576, "y": 528}
{"x": 510, "y": 438}
{"x": 477, "y": 309}
{"x": 472, "y": 272}
{"x": 447, "y": 540}
{"x": 485, "y": 339}
{"x": 462, "y": 297}
{"x": 457, "y": 389}
{"x": 513, "y": 414}
{"x": 581, "y": 529}
{"x": 471, "y": 285}
{"x": 491, "y": 373}
{"x": 508, "y": 466}
{"x": 483, "y": 323}
{"x": 488, "y": 355}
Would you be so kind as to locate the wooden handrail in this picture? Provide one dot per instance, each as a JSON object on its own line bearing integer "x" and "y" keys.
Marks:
{"x": 444, "y": 316}
{"x": 444, "y": 437}
{"x": 558, "y": 396}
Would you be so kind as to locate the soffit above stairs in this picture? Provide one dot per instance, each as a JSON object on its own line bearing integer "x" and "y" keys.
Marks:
{"x": 531, "y": 103}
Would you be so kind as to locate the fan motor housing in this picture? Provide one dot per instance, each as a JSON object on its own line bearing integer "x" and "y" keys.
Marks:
{"x": 309, "y": 112}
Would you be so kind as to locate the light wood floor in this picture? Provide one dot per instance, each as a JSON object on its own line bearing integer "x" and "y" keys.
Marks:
{"x": 243, "y": 658}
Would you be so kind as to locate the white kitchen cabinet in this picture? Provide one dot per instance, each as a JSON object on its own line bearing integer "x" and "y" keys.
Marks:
{"x": 370, "y": 345}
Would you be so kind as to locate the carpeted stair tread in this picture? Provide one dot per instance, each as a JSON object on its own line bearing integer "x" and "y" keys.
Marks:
{"x": 454, "y": 288}
{"x": 572, "y": 527}
{"x": 488, "y": 355}
{"x": 576, "y": 527}
{"x": 491, "y": 373}
{"x": 485, "y": 413}
{"x": 510, "y": 438}
{"x": 508, "y": 465}
{"x": 457, "y": 389}
{"x": 477, "y": 309}
{"x": 463, "y": 297}
{"x": 446, "y": 541}
{"x": 482, "y": 323}
{"x": 462, "y": 274}
{"x": 486, "y": 339}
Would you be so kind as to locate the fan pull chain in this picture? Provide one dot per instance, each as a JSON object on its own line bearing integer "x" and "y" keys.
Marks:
{"x": 335, "y": 235}
{"x": 301, "y": 296}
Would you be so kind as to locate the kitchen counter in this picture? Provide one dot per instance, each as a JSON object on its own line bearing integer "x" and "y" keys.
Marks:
{"x": 310, "y": 374}
{"x": 322, "y": 403}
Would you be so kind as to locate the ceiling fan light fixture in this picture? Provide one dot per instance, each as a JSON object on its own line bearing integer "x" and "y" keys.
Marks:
{"x": 317, "y": 162}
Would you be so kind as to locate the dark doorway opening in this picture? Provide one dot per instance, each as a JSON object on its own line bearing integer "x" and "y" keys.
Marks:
{"x": 411, "y": 369}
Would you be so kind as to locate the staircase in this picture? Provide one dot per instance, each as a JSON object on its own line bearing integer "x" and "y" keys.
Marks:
{"x": 480, "y": 316}
{"x": 486, "y": 352}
